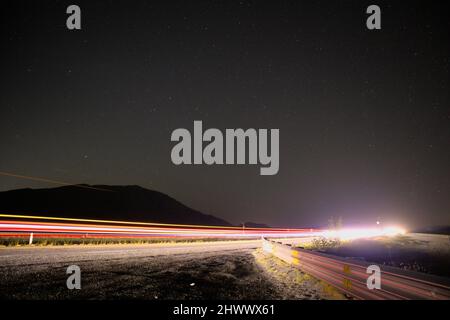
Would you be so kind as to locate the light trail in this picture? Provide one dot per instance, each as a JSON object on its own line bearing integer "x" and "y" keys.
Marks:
{"x": 108, "y": 228}
{"x": 111, "y": 228}
{"x": 136, "y": 223}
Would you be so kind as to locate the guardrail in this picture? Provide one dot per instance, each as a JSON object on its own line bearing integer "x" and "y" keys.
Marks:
{"x": 350, "y": 276}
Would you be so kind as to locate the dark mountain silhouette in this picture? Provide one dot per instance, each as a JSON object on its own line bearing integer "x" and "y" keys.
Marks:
{"x": 434, "y": 230}
{"x": 250, "y": 224}
{"x": 128, "y": 203}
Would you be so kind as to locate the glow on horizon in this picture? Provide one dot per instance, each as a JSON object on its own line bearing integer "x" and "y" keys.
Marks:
{"x": 362, "y": 233}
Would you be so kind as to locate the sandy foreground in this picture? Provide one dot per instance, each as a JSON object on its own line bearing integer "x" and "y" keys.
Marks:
{"x": 219, "y": 270}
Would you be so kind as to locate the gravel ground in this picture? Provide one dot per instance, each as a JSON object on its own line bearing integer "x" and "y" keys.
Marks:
{"x": 195, "y": 271}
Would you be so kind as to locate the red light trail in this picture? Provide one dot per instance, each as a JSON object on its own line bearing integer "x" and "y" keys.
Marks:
{"x": 108, "y": 229}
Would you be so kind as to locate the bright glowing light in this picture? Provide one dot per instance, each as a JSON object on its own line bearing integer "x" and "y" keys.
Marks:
{"x": 361, "y": 233}
{"x": 393, "y": 231}
{"x": 108, "y": 228}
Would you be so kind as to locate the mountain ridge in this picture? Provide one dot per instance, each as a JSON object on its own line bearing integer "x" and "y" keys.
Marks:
{"x": 106, "y": 202}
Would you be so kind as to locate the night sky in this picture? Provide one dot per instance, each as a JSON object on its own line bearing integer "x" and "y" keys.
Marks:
{"x": 364, "y": 116}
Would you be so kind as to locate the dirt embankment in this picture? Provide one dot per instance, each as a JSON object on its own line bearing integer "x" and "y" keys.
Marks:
{"x": 237, "y": 274}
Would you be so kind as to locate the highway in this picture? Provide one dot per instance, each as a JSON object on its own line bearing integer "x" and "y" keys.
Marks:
{"x": 112, "y": 268}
